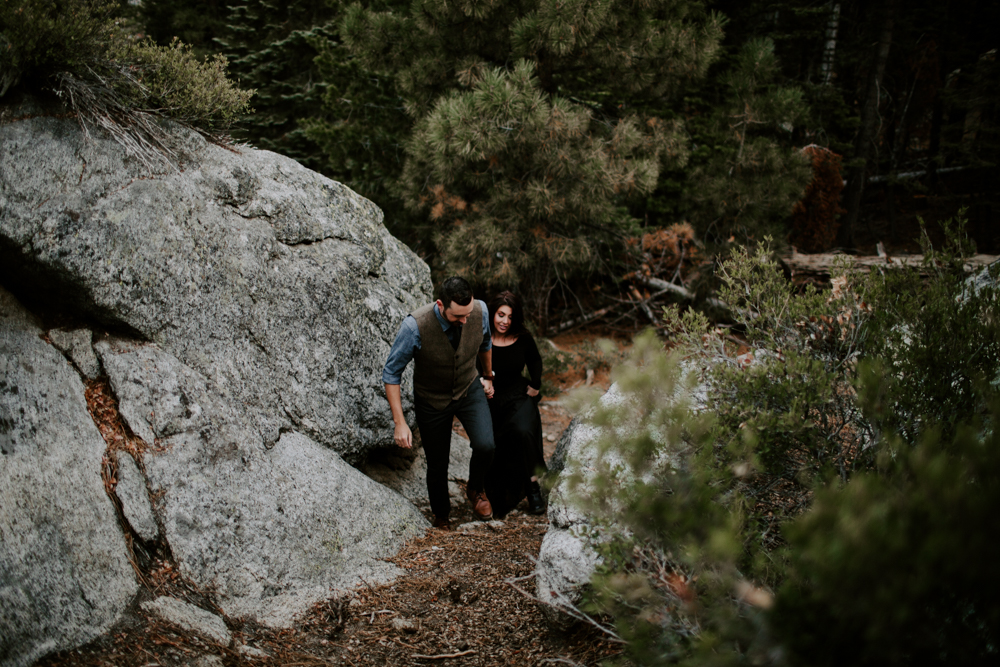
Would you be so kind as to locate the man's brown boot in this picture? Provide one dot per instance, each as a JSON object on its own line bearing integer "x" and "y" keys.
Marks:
{"x": 481, "y": 507}
{"x": 442, "y": 523}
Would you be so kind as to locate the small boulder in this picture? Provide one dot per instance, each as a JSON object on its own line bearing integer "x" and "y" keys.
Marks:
{"x": 189, "y": 618}
{"x": 407, "y": 625}
{"x": 407, "y": 474}
{"x": 131, "y": 491}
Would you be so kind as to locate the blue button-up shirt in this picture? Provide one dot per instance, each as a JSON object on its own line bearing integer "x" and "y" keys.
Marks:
{"x": 408, "y": 342}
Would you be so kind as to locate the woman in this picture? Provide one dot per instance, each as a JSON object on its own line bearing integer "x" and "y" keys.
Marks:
{"x": 517, "y": 426}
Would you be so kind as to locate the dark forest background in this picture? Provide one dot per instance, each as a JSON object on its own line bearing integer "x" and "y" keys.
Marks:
{"x": 898, "y": 99}
{"x": 582, "y": 152}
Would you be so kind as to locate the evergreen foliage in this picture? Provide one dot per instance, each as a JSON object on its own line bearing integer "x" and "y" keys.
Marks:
{"x": 933, "y": 340}
{"x": 898, "y": 567}
{"x": 273, "y": 48}
{"x": 41, "y": 37}
{"x": 522, "y": 125}
{"x": 746, "y": 177}
{"x": 877, "y": 469}
{"x": 525, "y": 187}
{"x": 361, "y": 135}
{"x": 784, "y": 399}
{"x": 195, "y": 22}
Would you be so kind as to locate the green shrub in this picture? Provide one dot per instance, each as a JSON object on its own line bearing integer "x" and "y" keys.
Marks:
{"x": 782, "y": 393}
{"x": 899, "y": 567}
{"x": 860, "y": 436}
{"x": 41, "y": 37}
{"x": 177, "y": 84}
{"x": 653, "y": 497}
{"x": 935, "y": 341}
{"x": 81, "y": 52}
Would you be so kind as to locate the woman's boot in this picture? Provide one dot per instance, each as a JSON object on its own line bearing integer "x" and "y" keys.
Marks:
{"x": 536, "y": 504}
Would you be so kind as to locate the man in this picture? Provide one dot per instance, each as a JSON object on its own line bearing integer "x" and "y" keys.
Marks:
{"x": 444, "y": 344}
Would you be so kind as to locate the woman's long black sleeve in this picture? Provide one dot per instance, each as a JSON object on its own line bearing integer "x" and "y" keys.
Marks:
{"x": 533, "y": 360}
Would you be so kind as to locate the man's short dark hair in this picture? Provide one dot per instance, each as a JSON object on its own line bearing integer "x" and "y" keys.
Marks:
{"x": 455, "y": 290}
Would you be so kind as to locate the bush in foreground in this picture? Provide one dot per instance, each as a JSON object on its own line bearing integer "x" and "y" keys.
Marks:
{"x": 883, "y": 550}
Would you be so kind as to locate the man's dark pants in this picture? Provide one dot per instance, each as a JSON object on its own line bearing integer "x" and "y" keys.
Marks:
{"x": 473, "y": 412}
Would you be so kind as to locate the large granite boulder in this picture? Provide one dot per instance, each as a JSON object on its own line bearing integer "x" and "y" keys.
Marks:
{"x": 64, "y": 572}
{"x": 567, "y": 557}
{"x": 241, "y": 307}
{"x": 269, "y": 527}
{"x": 278, "y": 285}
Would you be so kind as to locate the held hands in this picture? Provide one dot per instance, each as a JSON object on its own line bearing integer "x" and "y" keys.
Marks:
{"x": 487, "y": 387}
{"x": 532, "y": 392}
{"x": 403, "y": 436}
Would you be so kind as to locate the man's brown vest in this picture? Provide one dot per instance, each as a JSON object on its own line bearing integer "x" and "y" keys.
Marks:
{"x": 441, "y": 373}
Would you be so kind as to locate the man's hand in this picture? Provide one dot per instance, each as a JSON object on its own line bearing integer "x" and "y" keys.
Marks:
{"x": 402, "y": 433}
{"x": 486, "y": 364}
{"x": 403, "y": 436}
{"x": 532, "y": 392}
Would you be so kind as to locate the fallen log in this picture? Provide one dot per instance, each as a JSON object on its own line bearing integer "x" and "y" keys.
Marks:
{"x": 820, "y": 265}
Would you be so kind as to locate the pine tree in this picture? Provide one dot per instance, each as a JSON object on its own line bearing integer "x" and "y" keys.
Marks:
{"x": 195, "y": 22}
{"x": 272, "y": 47}
{"x": 361, "y": 134}
{"x": 743, "y": 184}
{"x": 528, "y": 142}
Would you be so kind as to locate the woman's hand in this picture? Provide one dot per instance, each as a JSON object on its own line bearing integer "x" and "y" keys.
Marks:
{"x": 532, "y": 392}
{"x": 487, "y": 387}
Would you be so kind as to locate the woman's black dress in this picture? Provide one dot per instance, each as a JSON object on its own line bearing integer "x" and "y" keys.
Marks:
{"x": 517, "y": 426}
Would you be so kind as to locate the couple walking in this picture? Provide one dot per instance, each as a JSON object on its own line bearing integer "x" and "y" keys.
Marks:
{"x": 495, "y": 404}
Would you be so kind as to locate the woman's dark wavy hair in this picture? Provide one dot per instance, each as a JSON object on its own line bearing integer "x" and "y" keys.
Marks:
{"x": 509, "y": 299}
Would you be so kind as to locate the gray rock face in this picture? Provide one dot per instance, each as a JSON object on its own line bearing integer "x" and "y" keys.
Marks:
{"x": 131, "y": 491}
{"x": 190, "y": 618}
{"x": 64, "y": 574}
{"x": 567, "y": 558}
{"x": 270, "y": 528}
{"x": 985, "y": 279}
{"x": 278, "y": 285}
{"x": 566, "y": 562}
{"x": 77, "y": 345}
{"x": 558, "y": 460}
{"x": 408, "y": 475}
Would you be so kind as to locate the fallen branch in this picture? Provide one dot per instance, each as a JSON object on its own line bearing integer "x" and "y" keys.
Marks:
{"x": 583, "y": 319}
{"x": 664, "y": 286}
{"x": 644, "y": 305}
{"x": 569, "y": 609}
{"x": 443, "y": 655}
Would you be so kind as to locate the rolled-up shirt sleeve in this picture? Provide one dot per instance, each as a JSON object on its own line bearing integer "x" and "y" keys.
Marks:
{"x": 487, "y": 337}
{"x": 403, "y": 348}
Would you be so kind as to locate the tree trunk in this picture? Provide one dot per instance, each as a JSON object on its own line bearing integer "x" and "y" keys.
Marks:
{"x": 830, "y": 47}
{"x": 900, "y": 140}
{"x": 867, "y": 133}
{"x": 937, "y": 119}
